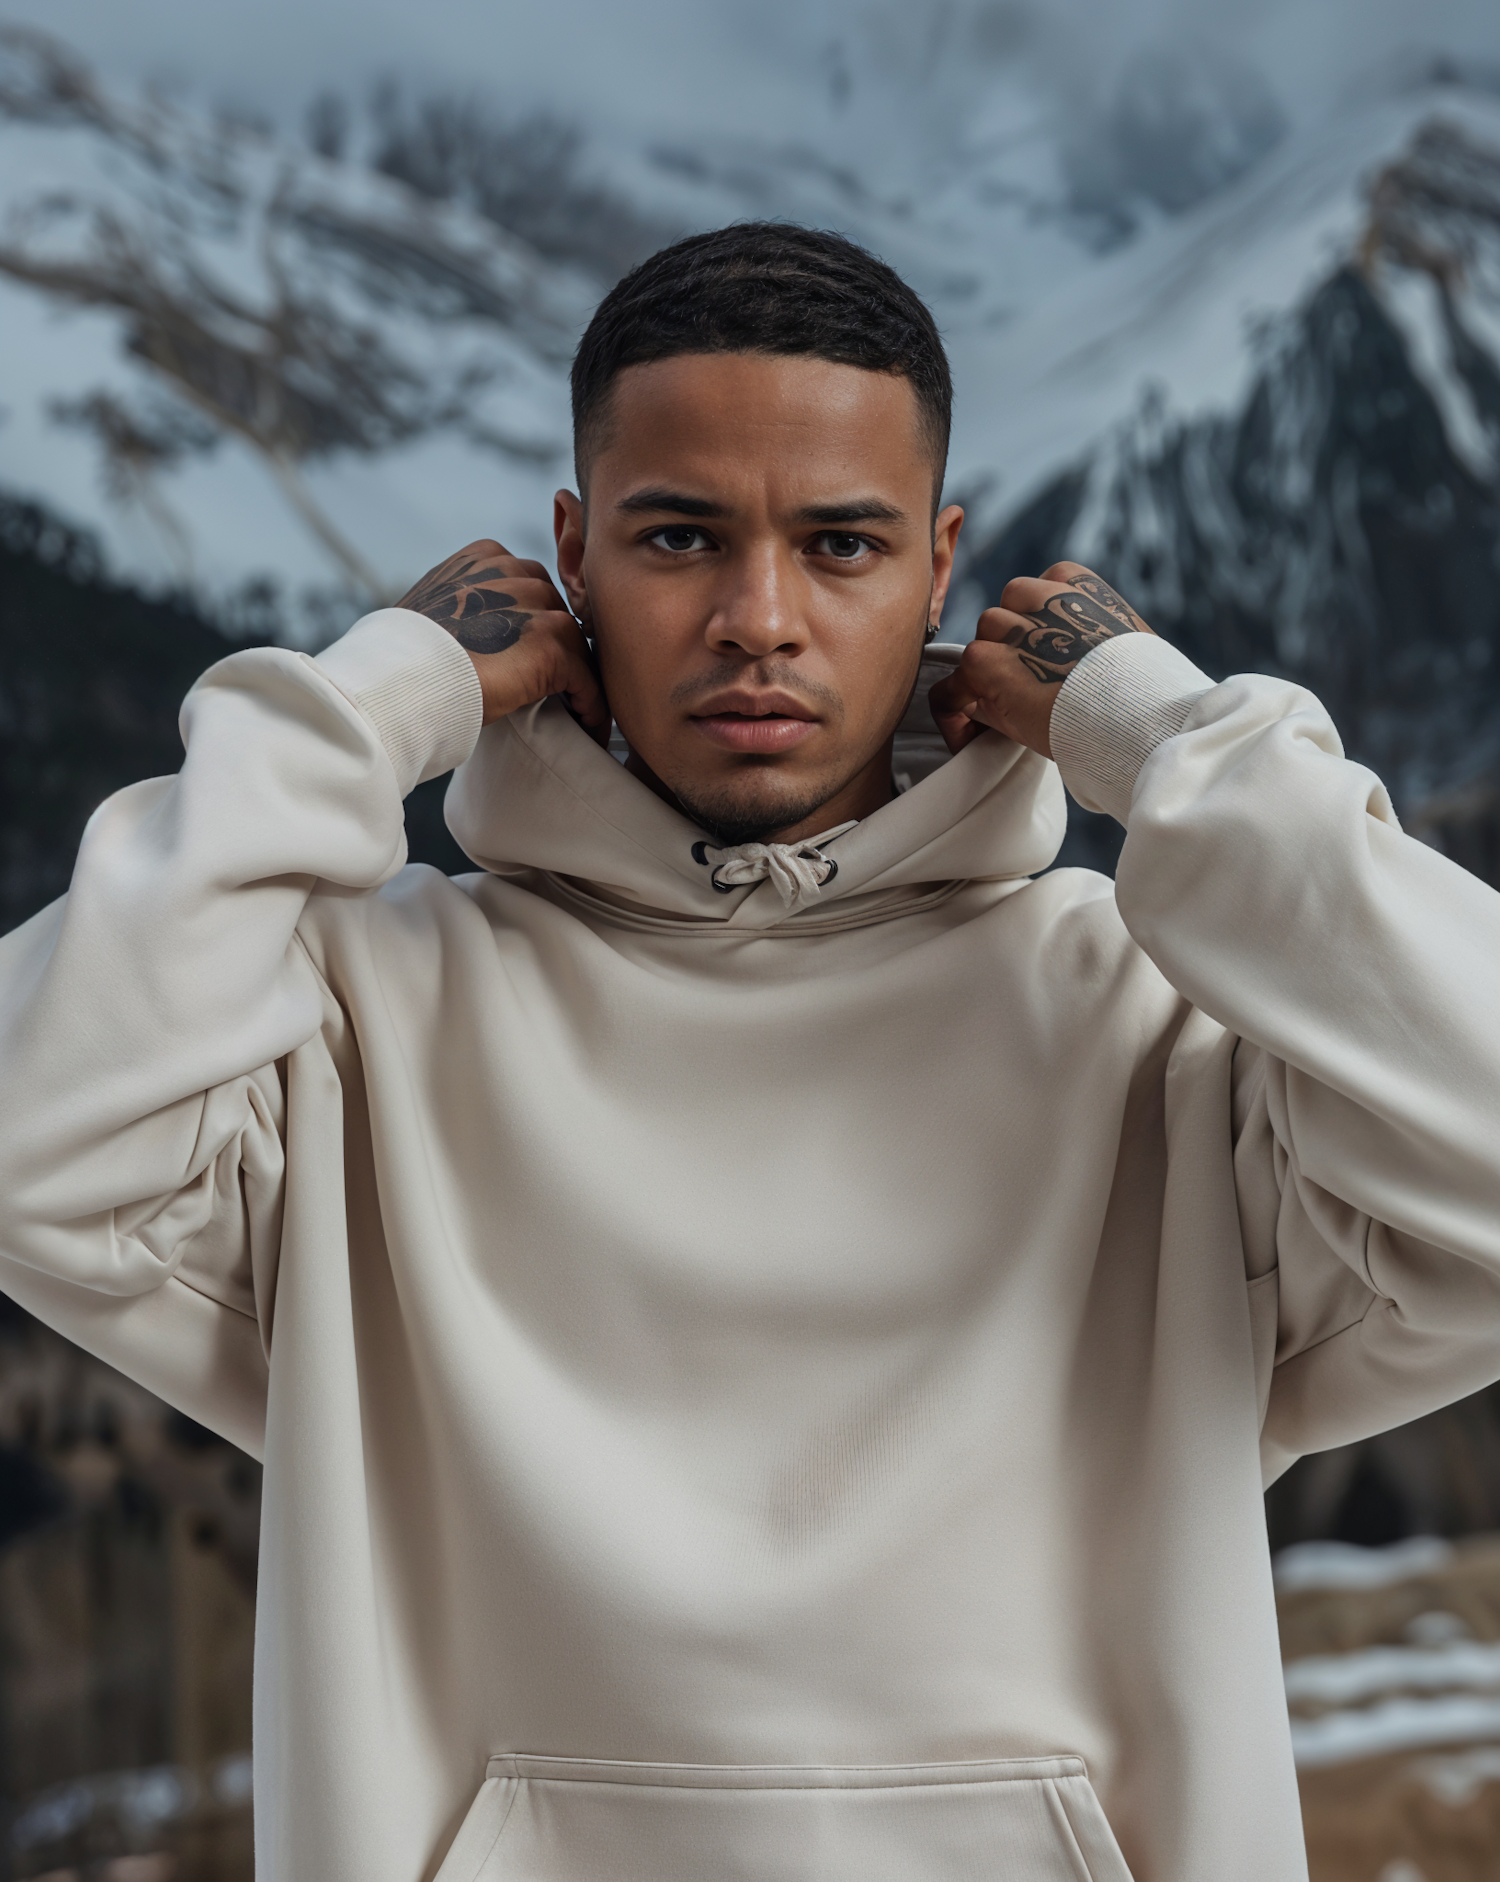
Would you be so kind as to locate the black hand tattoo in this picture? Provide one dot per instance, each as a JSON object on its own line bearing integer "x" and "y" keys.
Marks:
{"x": 1070, "y": 625}
{"x": 481, "y": 618}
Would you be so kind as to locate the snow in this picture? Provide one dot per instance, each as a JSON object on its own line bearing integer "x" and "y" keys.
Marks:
{"x": 1414, "y": 302}
{"x": 1308, "y": 1565}
{"x": 1175, "y": 312}
{"x": 1443, "y": 1689}
{"x": 436, "y": 341}
{"x": 1393, "y": 1725}
{"x": 1341, "y": 1679}
{"x": 1054, "y": 343}
{"x": 1457, "y": 1778}
{"x": 233, "y": 525}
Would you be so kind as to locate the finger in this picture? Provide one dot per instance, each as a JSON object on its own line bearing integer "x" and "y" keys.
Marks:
{"x": 958, "y": 701}
{"x": 486, "y": 551}
{"x": 482, "y": 549}
{"x": 525, "y": 592}
{"x": 577, "y": 683}
{"x": 953, "y": 693}
{"x": 1095, "y": 586}
{"x": 584, "y": 697}
{"x": 543, "y": 656}
{"x": 1032, "y": 645}
{"x": 999, "y": 623}
{"x": 527, "y": 651}
{"x": 1029, "y": 594}
{"x": 996, "y": 686}
{"x": 479, "y": 562}
{"x": 950, "y": 707}
{"x": 433, "y": 595}
{"x": 950, "y": 702}
{"x": 508, "y": 568}
{"x": 979, "y": 666}
{"x": 491, "y": 615}
{"x": 1057, "y": 624}
{"x": 956, "y": 730}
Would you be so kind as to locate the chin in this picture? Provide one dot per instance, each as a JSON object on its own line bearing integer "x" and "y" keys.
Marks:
{"x": 753, "y": 809}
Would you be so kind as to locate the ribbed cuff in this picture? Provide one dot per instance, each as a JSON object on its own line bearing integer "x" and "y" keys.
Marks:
{"x": 1117, "y": 705}
{"x": 415, "y": 685}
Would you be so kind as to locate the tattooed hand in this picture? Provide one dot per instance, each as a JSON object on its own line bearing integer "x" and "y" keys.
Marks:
{"x": 1022, "y": 652}
{"x": 515, "y": 627}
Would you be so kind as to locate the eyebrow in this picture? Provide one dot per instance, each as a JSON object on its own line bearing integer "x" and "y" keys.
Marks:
{"x": 648, "y": 502}
{"x": 861, "y": 510}
{"x": 830, "y": 515}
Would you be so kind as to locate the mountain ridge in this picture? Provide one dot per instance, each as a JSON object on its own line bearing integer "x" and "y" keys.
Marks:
{"x": 241, "y": 361}
{"x": 1338, "y": 524}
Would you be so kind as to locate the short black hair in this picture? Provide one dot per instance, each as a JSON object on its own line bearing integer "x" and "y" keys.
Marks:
{"x": 764, "y": 287}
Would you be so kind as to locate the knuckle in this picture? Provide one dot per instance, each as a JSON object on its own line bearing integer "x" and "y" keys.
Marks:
{"x": 1017, "y": 592}
{"x": 1065, "y": 572}
{"x": 993, "y": 624}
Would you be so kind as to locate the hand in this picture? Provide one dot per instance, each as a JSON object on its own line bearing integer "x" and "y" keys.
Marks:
{"x": 516, "y": 628}
{"x": 1013, "y": 670}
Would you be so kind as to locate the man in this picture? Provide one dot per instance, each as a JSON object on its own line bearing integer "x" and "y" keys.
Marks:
{"x": 762, "y": 1311}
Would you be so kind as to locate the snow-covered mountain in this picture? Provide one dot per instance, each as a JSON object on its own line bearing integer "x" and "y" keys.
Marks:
{"x": 1252, "y": 368}
{"x": 1337, "y": 519}
{"x": 241, "y": 363}
{"x": 245, "y": 361}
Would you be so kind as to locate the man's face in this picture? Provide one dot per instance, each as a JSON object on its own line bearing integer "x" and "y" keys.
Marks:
{"x": 758, "y": 569}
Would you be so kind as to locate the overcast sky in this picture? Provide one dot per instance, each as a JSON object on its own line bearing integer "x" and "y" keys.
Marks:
{"x": 761, "y": 66}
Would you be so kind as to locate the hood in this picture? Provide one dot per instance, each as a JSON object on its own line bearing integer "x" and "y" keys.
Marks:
{"x": 539, "y": 794}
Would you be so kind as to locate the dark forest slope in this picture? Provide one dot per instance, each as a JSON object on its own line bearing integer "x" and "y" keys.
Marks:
{"x": 91, "y": 677}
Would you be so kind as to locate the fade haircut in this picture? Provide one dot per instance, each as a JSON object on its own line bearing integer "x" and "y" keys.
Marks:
{"x": 763, "y": 287}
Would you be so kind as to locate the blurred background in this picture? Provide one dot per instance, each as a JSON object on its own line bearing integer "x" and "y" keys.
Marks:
{"x": 287, "y": 299}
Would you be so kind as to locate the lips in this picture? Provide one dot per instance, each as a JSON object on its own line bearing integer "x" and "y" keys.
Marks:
{"x": 769, "y": 734}
{"x": 755, "y": 722}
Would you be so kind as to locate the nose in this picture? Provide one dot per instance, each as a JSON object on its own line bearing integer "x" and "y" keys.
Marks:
{"x": 758, "y": 608}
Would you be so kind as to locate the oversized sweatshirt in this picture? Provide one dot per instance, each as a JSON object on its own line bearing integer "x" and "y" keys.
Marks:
{"x": 757, "y": 1392}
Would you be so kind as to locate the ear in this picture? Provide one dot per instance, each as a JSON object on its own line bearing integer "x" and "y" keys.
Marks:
{"x": 568, "y": 532}
{"x": 944, "y": 543}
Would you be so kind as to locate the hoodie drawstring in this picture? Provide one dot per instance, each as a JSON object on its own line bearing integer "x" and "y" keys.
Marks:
{"x": 800, "y": 871}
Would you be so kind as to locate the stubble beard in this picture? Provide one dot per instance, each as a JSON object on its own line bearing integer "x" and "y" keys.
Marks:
{"x": 756, "y": 801}
{"x": 727, "y": 816}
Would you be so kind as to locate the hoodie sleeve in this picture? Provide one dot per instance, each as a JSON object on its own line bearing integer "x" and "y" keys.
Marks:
{"x": 1268, "y": 879}
{"x": 142, "y": 1017}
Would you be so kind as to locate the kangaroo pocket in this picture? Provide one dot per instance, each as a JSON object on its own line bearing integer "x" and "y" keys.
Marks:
{"x": 579, "y": 1820}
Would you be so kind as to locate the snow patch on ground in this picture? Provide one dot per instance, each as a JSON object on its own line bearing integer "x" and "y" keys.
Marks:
{"x": 1394, "y": 1725}
{"x": 1344, "y": 1565}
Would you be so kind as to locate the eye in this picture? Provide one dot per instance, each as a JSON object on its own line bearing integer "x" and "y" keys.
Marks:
{"x": 680, "y": 539}
{"x": 842, "y": 546}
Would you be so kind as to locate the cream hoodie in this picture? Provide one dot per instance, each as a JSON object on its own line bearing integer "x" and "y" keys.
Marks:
{"x": 745, "y": 1395}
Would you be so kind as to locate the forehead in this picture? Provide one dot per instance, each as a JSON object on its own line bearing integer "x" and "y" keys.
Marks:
{"x": 786, "y": 422}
